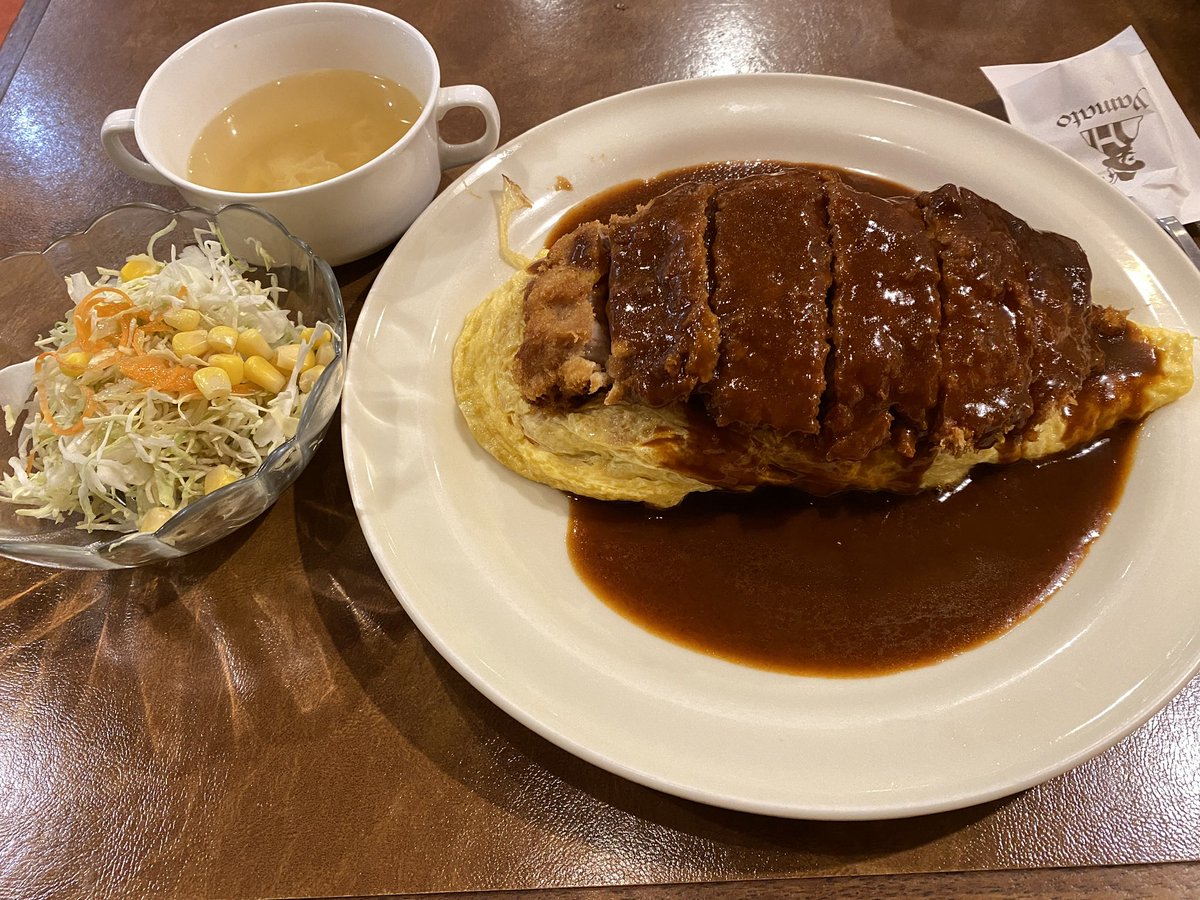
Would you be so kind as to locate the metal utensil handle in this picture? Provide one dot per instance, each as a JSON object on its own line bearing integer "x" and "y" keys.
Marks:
{"x": 1175, "y": 229}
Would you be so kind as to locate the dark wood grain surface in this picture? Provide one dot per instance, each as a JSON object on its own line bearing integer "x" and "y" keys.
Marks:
{"x": 262, "y": 719}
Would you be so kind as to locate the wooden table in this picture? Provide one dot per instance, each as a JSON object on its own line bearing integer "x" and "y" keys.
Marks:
{"x": 262, "y": 719}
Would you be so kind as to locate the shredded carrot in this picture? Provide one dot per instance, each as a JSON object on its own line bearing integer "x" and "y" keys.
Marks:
{"x": 48, "y": 416}
{"x": 159, "y": 374}
{"x": 44, "y": 404}
{"x": 105, "y": 289}
{"x": 95, "y": 303}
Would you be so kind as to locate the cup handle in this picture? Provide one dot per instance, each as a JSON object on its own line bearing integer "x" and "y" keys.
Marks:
{"x": 117, "y": 124}
{"x": 474, "y": 97}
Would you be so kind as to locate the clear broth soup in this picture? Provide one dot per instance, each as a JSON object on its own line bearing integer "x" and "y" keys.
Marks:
{"x": 301, "y": 130}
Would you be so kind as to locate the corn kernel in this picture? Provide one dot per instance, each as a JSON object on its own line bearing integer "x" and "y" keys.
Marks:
{"x": 190, "y": 343}
{"x": 219, "y": 476}
{"x": 325, "y": 354}
{"x": 154, "y": 519}
{"x": 138, "y": 267}
{"x": 233, "y": 365}
{"x": 325, "y": 337}
{"x": 213, "y": 382}
{"x": 251, "y": 343}
{"x": 72, "y": 364}
{"x": 265, "y": 375}
{"x": 308, "y": 378}
{"x": 182, "y": 319}
{"x": 287, "y": 356}
{"x": 222, "y": 339}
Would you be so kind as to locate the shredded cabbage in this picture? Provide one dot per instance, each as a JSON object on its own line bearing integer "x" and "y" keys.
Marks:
{"x": 128, "y": 433}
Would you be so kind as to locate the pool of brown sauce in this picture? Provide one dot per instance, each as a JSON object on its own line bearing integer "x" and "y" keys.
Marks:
{"x": 855, "y": 584}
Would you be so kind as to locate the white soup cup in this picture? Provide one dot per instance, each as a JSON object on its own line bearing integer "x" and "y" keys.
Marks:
{"x": 346, "y": 217}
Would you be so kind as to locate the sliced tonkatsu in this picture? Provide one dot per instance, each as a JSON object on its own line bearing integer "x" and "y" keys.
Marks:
{"x": 1063, "y": 331}
{"x": 663, "y": 332}
{"x": 985, "y": 356}
{"x": 886, "y": 314}
{"x": 566, "y": 331}
{"x": 797, "y": 303}
{"x": 771, "y": 273}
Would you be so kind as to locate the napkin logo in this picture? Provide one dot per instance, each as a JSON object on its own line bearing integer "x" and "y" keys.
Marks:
{"x": 1114, "y": 138}
{"x": 1115, "y": 141}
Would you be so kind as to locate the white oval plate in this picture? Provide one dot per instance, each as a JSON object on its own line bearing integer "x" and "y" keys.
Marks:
{"x": 478, "y": 556}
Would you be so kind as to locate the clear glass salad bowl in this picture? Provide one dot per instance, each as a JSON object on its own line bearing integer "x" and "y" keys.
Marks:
{"x": 34, "y": 297}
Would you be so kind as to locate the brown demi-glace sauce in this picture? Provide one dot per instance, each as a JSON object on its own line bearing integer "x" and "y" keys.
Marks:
{"x": 855, "y": 584}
